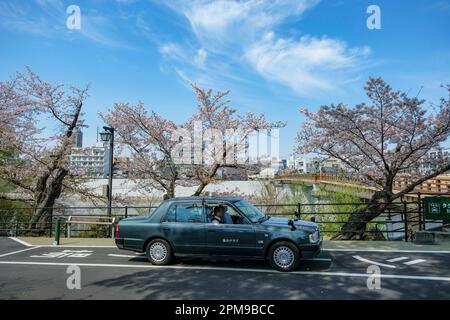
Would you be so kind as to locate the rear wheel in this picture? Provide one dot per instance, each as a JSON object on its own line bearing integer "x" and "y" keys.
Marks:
{"x": 159, "y": 252}
{"x": 284, "y": 256}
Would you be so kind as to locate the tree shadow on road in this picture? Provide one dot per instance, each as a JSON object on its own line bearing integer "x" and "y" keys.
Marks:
{"x": 225, "y": 285}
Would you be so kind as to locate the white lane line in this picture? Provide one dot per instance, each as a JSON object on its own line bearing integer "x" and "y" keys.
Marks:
{"x": 74, "y": 246}
{"x": 409, "y": 263}
{"x": 140, "y": 255}
{"x": 14, "y": 252}
{"x": 150, "y": 267}
{"x": 337, "y": 250}
{"x": 387, "y": 250}
{"x": 122, "y": 255}
{"x": 318, "y": 259}
{"x": 397, "y": 259}
{"x": 26, "y": 244}
{"x": 373, "y": 262}
{"x": 363, "y": 275}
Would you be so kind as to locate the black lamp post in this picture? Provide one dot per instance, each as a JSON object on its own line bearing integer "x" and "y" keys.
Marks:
{"x": 105, "y": 136}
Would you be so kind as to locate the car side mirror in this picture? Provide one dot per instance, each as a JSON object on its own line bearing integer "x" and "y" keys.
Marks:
{"x": 291, "y": 223}
{"x": 297, "y": 214}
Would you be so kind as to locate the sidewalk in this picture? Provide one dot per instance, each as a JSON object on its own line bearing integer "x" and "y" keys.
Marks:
{"x": 46, "y": 241}
{"x": 330, "y": 245}
{"x": 385, "y": 245}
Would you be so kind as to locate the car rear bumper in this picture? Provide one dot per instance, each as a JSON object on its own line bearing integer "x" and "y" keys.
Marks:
{"x": 119, "y": 243}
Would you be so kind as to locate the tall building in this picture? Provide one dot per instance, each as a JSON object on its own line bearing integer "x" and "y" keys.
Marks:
{"x": 78, "y": 137}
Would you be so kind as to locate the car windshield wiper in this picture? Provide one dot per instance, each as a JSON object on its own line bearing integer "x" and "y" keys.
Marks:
{"x": 262, "y": 219}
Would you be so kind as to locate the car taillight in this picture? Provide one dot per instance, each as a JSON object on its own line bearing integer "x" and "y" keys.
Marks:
{"x": 116, "y": 234}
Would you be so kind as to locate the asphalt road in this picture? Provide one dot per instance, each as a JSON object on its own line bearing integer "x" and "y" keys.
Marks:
{"x": 109, "y": 273}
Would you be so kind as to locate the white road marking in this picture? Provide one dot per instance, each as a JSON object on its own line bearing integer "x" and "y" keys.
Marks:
{"x": 318, "y": 259}
{"x": 141, "y": 255}
{"x": 409, "y": 263}
{"x": 122, "y": 255}
{"x": 397, "y": 259}
{"x": 373, "y": 262}
{"x": 19, "y": 251}
{"x": 21, "y": 242}
{"x": 149, "y": 267}
{"x": 388, "y": 250}
{"x": 73, "y": 246}
{"x": 65, "y": 254}
{"x": 337, "y": 249}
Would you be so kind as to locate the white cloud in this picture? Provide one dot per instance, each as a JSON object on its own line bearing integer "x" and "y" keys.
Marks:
{"x": 48, "y": 18}
{"x": 245, "y": 33}
{"x": 309, "y": 66}
{"x": 184, "y": 55}
{"x": 219, "y": 24}
{"x": 200, "y": 58}
{"x": 99, "y": 29}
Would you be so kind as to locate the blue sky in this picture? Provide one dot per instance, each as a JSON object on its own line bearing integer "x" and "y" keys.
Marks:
{"x": 274, "y": 55}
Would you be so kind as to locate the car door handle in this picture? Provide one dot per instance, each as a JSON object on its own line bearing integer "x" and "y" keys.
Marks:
{"x": 212, "y": 231}
{"x": 166, "y": 229}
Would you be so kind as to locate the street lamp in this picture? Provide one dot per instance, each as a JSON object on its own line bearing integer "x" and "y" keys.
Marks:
{"x": 105, "y": 136}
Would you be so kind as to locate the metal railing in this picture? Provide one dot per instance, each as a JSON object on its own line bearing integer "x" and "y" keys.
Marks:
{"x": 18, "y": 220}
{"x": 395, "y": 223}
{"x": 398, "y": 222}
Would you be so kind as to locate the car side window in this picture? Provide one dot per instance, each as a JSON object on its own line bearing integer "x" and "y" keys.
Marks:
{"x": 236, "y": 217}
{"x": 188, "y": 213}
{"x": 231, "y": 216}
{"x": 171, "y": 213}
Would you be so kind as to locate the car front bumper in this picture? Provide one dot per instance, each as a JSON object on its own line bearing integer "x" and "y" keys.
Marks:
{"x": 311, "y": 250}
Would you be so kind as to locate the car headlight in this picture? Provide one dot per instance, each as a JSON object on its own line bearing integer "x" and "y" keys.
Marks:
{"x": 314, "y": 237}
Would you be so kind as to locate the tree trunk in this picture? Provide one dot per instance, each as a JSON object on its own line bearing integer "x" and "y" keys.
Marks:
{"x": 170, "y": 192}
{"x": 355, "y": 227}
{"x": 206, "y": 180}
{"x": 48, "y": 189}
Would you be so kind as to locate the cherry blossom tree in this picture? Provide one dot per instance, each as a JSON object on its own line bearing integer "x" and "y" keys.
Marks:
{"x": 228, "y": 132}
{"x": 35, "y": 156}
{"x": 149, "y": 139}
{"x": 385, "y": 140}
{"x": 165, "y": 154}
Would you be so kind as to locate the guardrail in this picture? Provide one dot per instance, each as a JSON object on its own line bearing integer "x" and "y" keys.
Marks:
{"x": 17, "y": 223}
{"x": 437, "y": 185}
{"x": 398, "y": 222}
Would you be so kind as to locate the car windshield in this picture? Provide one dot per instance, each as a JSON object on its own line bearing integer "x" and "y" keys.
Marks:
{"x": 253, "y": 214}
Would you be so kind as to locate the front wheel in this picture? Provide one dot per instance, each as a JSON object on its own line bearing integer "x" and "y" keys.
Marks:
{"x": 284, "y": 256}
{"x": 159, "y": 252}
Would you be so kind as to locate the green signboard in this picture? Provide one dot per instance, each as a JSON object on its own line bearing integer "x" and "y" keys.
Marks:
{"x": 437, "y": 208}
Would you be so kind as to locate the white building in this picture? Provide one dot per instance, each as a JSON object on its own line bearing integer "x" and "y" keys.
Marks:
{"x": 433, "y": 158}
{"x": 303, "y": 164}
{"x": 266, "y": 173}
{"x": 88, "y": 161}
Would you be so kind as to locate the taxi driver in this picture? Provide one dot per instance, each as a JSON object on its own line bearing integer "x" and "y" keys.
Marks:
{"x": 218, "y": 215}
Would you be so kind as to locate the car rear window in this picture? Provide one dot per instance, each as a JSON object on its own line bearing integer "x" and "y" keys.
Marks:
{"x": 189, "y": 213}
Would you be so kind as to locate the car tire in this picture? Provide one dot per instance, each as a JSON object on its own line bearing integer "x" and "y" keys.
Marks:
{"x": 284, "y": 256}
{"x": 159, "y": 252}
